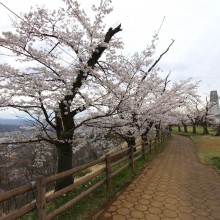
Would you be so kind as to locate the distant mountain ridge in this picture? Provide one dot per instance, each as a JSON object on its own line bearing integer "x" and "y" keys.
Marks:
{"x": 19, "y": 122}
{"x": 9, "y": 128}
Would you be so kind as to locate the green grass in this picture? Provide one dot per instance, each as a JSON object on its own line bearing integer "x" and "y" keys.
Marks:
{"x": 208, "y": 146}
{"x": 83, "y": 173}
{"x": 91, "y": 204}
{"x": 215, "y": 162}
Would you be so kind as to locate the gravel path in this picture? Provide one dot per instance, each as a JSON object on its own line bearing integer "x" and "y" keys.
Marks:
{"x": 175, "y": 185}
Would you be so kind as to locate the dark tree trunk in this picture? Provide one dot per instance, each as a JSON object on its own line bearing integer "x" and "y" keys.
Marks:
{"x": 185, "y": 128}
{"x": 132, "y": 148}
{"x": 205, "y": 128}
{"x": 145, "y": 133}
{"x": 65, "y": 116}
{"x": 64, "y": 154}
{"x": 131, "y": 143}
{"x": 144, "y": 140}
{"x": 157, "y": 130}
{"x": 179, "y": 128}
{"x": 64, "y": 147}
{"x": 194, "y": 128}
{"x": 170, "y": 127}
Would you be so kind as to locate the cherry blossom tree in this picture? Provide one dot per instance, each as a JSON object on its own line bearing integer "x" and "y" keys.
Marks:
{"x": 194, "y": 114}
{"x": 149, "y": 102}
{"x": 64, "y": 75}
{"x": 69, "y": 77}
{"x": 139, "y": 89}
{"x": 182, "y": 118}
{"x": 23, "y": 162}
{"x": 206, "y": 117}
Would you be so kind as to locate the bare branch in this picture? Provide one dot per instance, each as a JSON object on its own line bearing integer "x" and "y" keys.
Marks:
{"x": 155, "y": 63}
{"x": 166, "y": 82}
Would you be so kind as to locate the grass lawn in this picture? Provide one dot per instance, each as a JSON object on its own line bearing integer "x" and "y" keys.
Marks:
{"x": 208, "y": 146}
{"x": 208, "y": 149}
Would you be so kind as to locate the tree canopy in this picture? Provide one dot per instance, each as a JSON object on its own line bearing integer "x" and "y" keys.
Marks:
{"x": 66, "y": 71}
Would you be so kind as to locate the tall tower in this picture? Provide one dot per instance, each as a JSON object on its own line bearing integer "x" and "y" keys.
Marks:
{"x": 214, "y": 97}
{"x": 215, "y": 110}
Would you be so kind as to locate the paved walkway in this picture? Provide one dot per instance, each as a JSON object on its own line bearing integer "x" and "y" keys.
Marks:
{"x": 175, "y": 185}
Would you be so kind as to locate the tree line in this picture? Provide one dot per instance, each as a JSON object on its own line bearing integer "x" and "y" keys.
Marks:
{"x": 72, "y": 80}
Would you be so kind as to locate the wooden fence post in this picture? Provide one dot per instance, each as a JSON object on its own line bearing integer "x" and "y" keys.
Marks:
{"x": 108, "y": 172}
{"x": 132, "y": 158}
{"x": 41, "y": 198}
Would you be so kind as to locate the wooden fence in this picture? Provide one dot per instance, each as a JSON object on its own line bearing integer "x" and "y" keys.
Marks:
{"x": 112, "y": 165}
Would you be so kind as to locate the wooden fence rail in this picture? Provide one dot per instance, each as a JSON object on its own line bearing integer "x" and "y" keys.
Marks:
{"x": 112, "y": 164}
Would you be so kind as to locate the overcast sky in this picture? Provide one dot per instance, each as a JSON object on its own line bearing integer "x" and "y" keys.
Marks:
{"x": 194, "y": 24}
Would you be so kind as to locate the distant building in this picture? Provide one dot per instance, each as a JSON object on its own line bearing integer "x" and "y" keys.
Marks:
{"x": 215, "y": 109}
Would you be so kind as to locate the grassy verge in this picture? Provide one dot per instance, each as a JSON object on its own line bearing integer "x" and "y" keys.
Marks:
{"x": 208, "y": 149}
{"x": 208, "y": 146}
{"x": 91, "y": 204}
{"x": 83, "y": 173}
{"x": 216, "y": 162}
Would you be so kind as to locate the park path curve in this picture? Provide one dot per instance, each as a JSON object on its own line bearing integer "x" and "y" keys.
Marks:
{"x": 175, "y": 185}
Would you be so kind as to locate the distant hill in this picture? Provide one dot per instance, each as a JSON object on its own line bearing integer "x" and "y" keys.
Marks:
{"x": 9, "y": 128}
{"x": 5, "y": 121}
